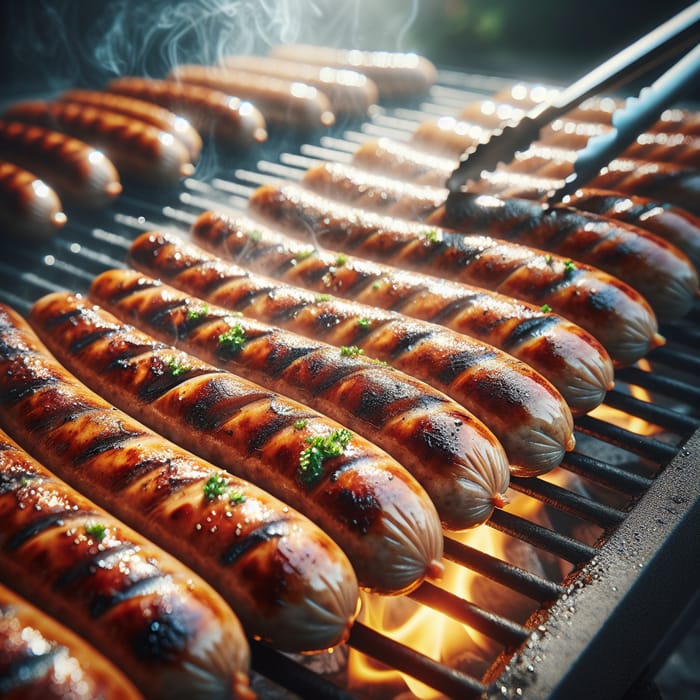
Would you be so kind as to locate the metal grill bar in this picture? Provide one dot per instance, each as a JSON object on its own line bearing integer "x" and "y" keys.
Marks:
{"x": 668, "y": 386}
{"x": 653, "y": 413}
{"x": 606, "y": 474}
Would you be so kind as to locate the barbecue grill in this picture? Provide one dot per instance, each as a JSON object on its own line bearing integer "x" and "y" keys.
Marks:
{"x": 621, "y": 524}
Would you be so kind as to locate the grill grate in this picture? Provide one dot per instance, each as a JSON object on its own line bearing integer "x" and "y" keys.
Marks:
{"x": 629, "y": 486}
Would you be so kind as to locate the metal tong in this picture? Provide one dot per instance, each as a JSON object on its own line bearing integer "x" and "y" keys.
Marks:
{"x": 664, "y": 42}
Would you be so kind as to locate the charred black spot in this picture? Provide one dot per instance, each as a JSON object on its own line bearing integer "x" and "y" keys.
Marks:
{"x": 106, "y": 443}
{"x": 287, "y": 312}
{"x": 456, "y": 306}
{"x": 265, "y": 533}
{"x": 55, "y": 321}
{"x": 408, "y": 340}
{"x": 27, "y": 388}
{"x": 89, "y": 339}
{"x": 283, "y": 355}
{"x": 161, "y": 318}
{"x": 87, "y": 567}
{"x": 265, "y": 432}
{"x": 28, "y": 670}
{"x": 326, "y": 320}
{"x": 126, "y": 290}
{"x": 145, "y": 586}
{"x": 358, "y": 509}
{"x": 39, "y": 525}
{"x": 461, "y": 361}
{"x": 525, "y": 330}
{"x": 11, "y": 481}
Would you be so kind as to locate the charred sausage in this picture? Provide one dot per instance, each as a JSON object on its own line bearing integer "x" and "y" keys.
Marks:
{"x": 349, "y": 92}
{"x": 158, "y": 622}
{"x": 28, "y": 206}
{"x": 367, "y": 502}
{"x": 289, "y": 582}
{"x": 152, "y": 114}
{"x": 231, "y": 121}
{"x": 523, "y": 409}
{"x": 661, "y": 272}
{"x": 572, "y": 359}
{"x": 453, "y": 455}
{"x": 40, "y": 659}
{"x": 611, "y": 310}
{"x": 80, "y": 174}
{"x": 139, "y": 151}
{"x": 283, "y": 103}
{"x": 397, "y": 75}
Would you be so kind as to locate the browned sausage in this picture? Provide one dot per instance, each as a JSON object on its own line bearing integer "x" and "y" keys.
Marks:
{"x": 453, "y": 455}
{"x": 152, "y": 114}
{"x": 527, "y": 414}
{"x": 40, "y": 659}
{"x": 289, "y": 582}
{"x": 283, "y": 103}
{"x": 367, "y": 502}
{"x": 80, "y": 174}
{"x": 661, "y": 272}
{"x": 154, "y": 618}
{"x": 228, "y": 119}
{"x": 397, "y": 75}
{"x": 28, "y": 206}
{"x": 349, "y": 92}
{"x": 139, "y": 151}
{"x": 572, "y": 359}
{"x": 611, "y": 310}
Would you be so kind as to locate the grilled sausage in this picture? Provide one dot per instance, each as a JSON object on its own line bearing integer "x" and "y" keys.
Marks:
{"x": 157, "y": 621}
{"x": 80, "y": 174}
{"x": 349, "y": 92}
{"x": 40, "y": 659}
{"x": 611, "y": 310}
{"x": 139, "y": 151}
{"x": 455, "y": 457}
{"x": 283, "y": 103}
{"x": 228, "y": 119}
{"x": 397, "y": 75}
{"x": 367, "y": 502}
{"x": 28, "y": 206}
{"x": 572, "y": 359}
{"x": 152, "y": 114}
{"x": 658, "y": 270}
{"x": 677, "y": 226}
{"x": 289, "y": 582}
{"x": 523, "y": 409}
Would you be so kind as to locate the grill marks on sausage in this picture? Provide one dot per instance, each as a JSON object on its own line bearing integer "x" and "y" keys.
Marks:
{"x": 276, "y": 528}
{"x": 27, "y": 671}
{"x": 39, "y": 525}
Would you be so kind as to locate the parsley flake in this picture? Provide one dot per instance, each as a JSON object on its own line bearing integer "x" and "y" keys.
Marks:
{"x": 214, "y": 487}
{"x": 321, "y": 448}
{"x": 364, "y": 322}
{"x": 300, "y": 424}
{"x": 570, "y": 266}
{"x": 236, "y": 497}
{"x": 351, "y": 351}
{"x": 195, "y": 313}
{"x": 255, "y": 235}
{"x": 177, "y": 368}
{"x": 95, "y": 530}
{"x": 341, "y": 260}
{"x": 431, "y": 235}
{"x": 303, "y": 254}
{"x": 233, "y": 339}
{"x": 322, "y": 297}
{"x": 546, "y": 308}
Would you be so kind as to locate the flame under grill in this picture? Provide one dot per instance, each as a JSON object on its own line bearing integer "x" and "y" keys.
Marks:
{"x": 595, "y": 629}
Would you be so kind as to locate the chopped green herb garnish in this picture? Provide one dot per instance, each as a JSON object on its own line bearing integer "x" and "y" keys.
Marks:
{"x": 233, "y": 339}
{"x": 431, "y": 235}
{"x": 303, "y": 254}
{"x": 321, "y": 448}
{"x": 95, "y": 530}
{"x": 177, "y": 368}
{"x": 300, "y": 424}
{"x": 546, "y": 308}
{"x": 255, "y": 235}
{"x": 214, "y": 487}
{"x": 351, "y": 351}
{"x": 364, "y": 322}
{"x": 198, "y": 312}
{"x": 341, "y": 260}
{"x": 322, "y": 297}
{"x": 236, "y": 496}
{"x": 384, "y": 363}
{"x": 548, "y": 259}
{"x": 375, "y": 286}
{"x": 570, "y": 265}
{"x": 24, "y": 481}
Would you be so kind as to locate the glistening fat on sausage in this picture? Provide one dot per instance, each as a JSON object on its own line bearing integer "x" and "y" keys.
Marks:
{"x": 289, "y": 582}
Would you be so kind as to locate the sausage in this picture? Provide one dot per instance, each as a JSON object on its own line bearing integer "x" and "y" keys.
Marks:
{"x": 454, "y": 456}
{"x": 288, "y": 582}
{"x": 661, "y": 272}
{"x": 231, "y": 121}
{"x": 80, "y": 174}
{"x": 349, "y": 92}
{"x": 139, "y": 151}
{"x": 153, "y": 617}
{"x": 677, "y": 226}
{"x": 28, "y": 206}
{"x": 40, "y": 659}
{"x": 370, "y": 505}
{"x": 569, "y": 357}
{"x": 152, "y": 114}
{"x": 448, "y": 136}
{"x": 611, "y": 310}
{"x": 529, "y": 417}
{"x": 284, "y": 103}
{"x": 397, "y": 75}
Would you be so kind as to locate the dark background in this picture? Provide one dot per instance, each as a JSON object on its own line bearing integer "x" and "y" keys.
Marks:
{"x": 51, "y": 44}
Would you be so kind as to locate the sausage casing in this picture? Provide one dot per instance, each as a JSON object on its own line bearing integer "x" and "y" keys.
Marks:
{"x": 79, "y": 173}
{"x": 289, "y": 582}
{"x": 28, "y": 206}
{"x": 154, "y": 618}
{"x": 453, "y": 455}
{"x": 40, "y": 659}
{"x": 527, "y": 414}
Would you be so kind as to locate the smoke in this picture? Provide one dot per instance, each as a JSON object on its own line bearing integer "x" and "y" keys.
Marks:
{"x": 82, "y": 42}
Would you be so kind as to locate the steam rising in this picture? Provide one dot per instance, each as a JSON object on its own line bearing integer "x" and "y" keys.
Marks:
{"x": 82, "y": 42}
